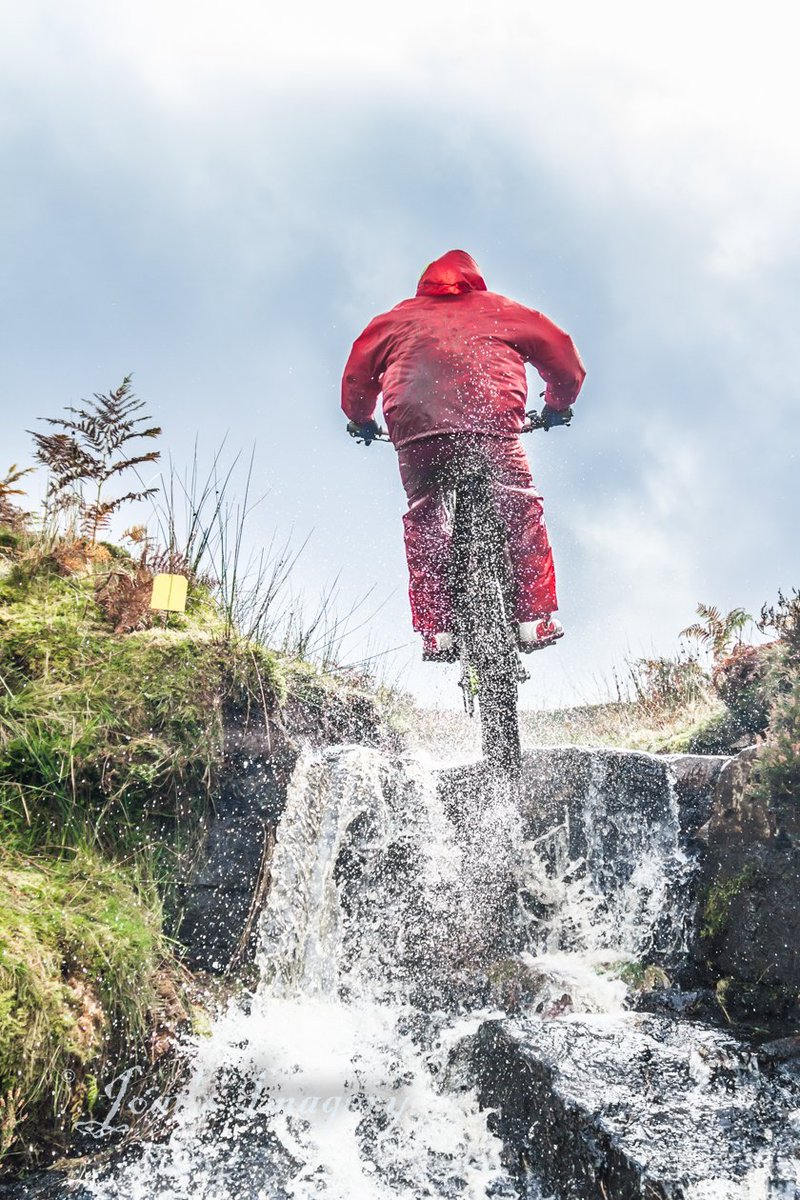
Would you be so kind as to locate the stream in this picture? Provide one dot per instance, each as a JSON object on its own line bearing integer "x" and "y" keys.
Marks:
{"x": 444, "y": 1007}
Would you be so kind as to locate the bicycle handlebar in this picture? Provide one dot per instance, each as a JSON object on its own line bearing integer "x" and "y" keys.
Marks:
{"x": 380, "y": 436}
{"x": 533, "y": 420}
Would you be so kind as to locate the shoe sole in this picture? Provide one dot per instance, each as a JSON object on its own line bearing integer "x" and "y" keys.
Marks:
{"x": 530, "y": 647}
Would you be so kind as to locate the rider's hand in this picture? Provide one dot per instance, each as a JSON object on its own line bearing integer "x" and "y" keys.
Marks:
{"x": 366, "y": 432}
{"x": 551, "y": 416}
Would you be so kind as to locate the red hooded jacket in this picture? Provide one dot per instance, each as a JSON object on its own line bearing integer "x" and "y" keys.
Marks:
{"x": 452, "y": 359}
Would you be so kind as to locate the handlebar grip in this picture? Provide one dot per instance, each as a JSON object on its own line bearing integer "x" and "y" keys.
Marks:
{"x": 356, "y": 431}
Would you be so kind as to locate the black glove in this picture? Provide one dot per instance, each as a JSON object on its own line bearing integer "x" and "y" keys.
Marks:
{"x": 551, "y": 416}
{"x": 366, "y": 432}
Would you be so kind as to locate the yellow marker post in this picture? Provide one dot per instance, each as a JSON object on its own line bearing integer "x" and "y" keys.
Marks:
{"x": 169, "y": 593}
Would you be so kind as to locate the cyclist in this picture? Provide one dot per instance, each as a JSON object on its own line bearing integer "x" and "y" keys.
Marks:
{"x": 450, "y": 364}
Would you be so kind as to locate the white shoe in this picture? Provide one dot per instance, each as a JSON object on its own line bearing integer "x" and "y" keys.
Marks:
{"x": 535, "y": 635}
{"x": 439, "y": 647}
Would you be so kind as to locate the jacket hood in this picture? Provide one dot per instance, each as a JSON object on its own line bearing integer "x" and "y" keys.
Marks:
{"x": 451, "y": 274}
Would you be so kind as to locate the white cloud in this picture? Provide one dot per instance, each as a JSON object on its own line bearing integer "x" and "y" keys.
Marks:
{"x": 688, "y": 107}
{"x": 642, "y": 543}
{"x": 666, "y": 133}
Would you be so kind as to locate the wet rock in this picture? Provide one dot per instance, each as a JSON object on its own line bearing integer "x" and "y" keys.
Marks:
{"x": 561, "y": 784}
{"x": 749, "y": 921}
{"x": 221, "y": 900}
{"x": 743, "y": 855}
{"x": 781, "y": 1049}
{"x": 634, "y": 1106}
{"x": 557, "y": 781}
{"x": 757, "y": 1004}
{"x": 224, "y": 894}
{"x": 697, "y": 1003}
{"x": 695, "y": 777}
{"x": 619, "y": 822}
{"x": 515, "y": 986}
{"x": 735, "y": 816}
{"x": 43, "y": 1185}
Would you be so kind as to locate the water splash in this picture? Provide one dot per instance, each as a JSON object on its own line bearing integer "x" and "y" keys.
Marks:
{"x": 330, "y": 1079}
{"x": 347, "y": 1072}
{"x": 605, "y": 884}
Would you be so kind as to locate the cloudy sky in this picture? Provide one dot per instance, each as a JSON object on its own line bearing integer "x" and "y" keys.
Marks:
{"x": 219, "y": 197}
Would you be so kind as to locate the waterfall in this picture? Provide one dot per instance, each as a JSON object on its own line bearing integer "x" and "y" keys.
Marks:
{"x": 607, "y": 883}
{"x": 331, "y": 1079}
{"x": 409, "y": 911}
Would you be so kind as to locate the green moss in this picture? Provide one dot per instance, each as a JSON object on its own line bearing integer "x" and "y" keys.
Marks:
{"x": 639, "y": 976}
{"x": 105, "y": 731}
{"x": 716, "y": 911}
{"x": 45, "y": 623}
{"x": 80, "y": 946}
{"x": 721, "y": 734}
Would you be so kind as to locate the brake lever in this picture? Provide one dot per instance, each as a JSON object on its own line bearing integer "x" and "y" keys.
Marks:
{"x": 534, "y": 421}
{"x": 380, "y": 436}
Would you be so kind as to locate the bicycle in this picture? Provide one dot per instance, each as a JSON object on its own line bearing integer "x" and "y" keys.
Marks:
{"x": 485, "y": 630}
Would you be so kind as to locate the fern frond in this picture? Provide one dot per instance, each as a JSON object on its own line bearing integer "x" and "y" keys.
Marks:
{"x": 123, "y": 463}
{"x": 86, "y": 448}
{"x": 695, "y": 633}
{"x": 65, "y": 458}
{"x": 715, "y": 630}
{"x": 13, "y": 475}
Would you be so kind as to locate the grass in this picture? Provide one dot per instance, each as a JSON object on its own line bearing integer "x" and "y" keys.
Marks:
{"x": 100, "y": 731}
{"x": 110, "y": 748}
{"x": 633, "y": 725}
{"x": 701, "y": 726}
{"x": 81, "y": 947}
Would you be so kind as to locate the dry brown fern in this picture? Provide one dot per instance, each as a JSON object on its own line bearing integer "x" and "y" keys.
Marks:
{"x": 124, "y": 592}
{"x": 88, "y": 452}
{"x": 11, "y": 514}
{"x": 77, "y": 556}
{"x": 123, "y": 595}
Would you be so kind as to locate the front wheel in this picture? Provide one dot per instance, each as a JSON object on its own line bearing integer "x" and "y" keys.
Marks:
{"x": 480, "y": 589}
{"x": 497, "y": 699}
{"x": 493, "y": 659}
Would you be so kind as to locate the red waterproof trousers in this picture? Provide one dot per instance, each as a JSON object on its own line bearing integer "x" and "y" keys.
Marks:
{"x": 426, "y": 468}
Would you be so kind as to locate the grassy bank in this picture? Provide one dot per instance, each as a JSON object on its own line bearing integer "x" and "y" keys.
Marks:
{"x": 107, "y": 747}
{"x": 112, "y": 738}
{"x": 84, "y": 972}
{"x": 110, "y": 745}
{"x": 703, "y": 727}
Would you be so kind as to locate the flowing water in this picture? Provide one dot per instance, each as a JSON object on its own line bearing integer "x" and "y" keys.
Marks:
{"x": 397, "y": 921}
{"x": 330, "y": 1080}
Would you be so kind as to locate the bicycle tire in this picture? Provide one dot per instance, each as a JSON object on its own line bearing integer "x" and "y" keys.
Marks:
{"x": 480, "y": 590}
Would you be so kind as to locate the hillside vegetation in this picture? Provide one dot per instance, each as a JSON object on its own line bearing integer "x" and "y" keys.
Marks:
{"x": 718, "y": 694}
{"x": 112, "y": 725}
